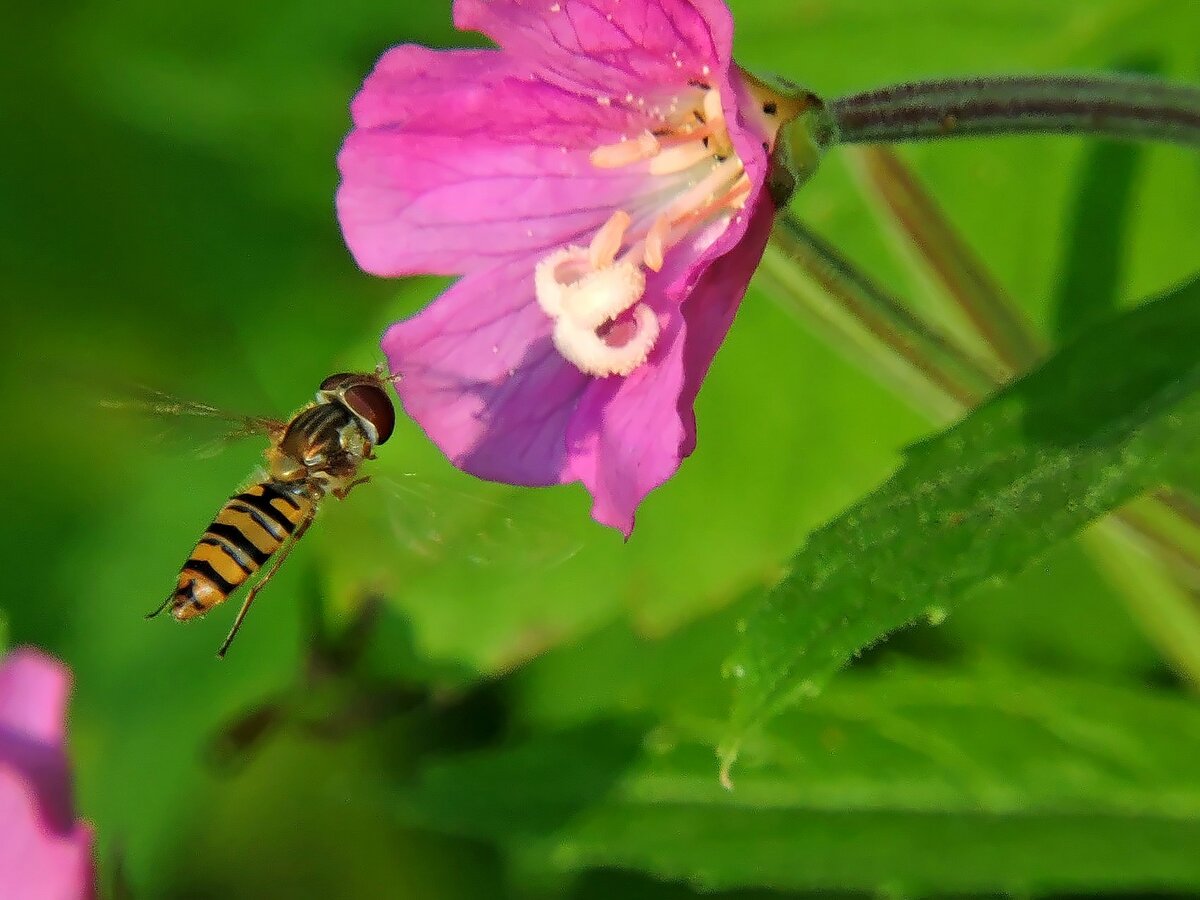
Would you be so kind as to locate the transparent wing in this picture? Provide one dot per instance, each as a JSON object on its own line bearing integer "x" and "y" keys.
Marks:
{"x": 205, "y": 427}
{"x": 483, "y": 525}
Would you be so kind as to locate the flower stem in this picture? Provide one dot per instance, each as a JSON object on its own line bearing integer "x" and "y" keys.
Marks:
{"x": 1133, "y": 107}
{"x": 885, "y": 319}
{"x": 991, "y": 312}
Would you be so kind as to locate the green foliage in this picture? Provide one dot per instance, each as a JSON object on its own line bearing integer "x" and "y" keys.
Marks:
{"x": 1068, "y": 443}
{"x": 167, "y": 218}
{"x": 904, "y": 781}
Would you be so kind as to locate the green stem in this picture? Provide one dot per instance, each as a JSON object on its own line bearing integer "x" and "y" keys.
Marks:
{"x": 993, "y": 315}
{"x": 1183, "y": 505}
{"x": 1162, "y": 603}
{"x": 887, "y": 320}
{"x": 1133, "y": 107}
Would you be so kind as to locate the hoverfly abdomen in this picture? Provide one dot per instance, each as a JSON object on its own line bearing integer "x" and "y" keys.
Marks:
{"x": 250, "y": 527}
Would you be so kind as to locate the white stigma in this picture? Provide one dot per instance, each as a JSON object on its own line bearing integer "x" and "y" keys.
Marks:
{"x": 616, "y": 350}
{"x": 587, "y": 291}
{"x": 567, "y": 286}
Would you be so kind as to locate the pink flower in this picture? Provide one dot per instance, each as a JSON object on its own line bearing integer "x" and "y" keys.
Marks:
{"x": 44, "y": 851}
{"x": 599, "y": 183}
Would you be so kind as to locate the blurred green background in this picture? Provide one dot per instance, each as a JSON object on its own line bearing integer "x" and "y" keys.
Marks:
{"x": 167, "y": 184}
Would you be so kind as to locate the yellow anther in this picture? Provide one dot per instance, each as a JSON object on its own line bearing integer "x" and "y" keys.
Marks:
{"x": 623, "y": 153}
{"x": 713, "y": 113}
{"x": 604, "y": 246}
{"x": 655, "y": 247}
{"x": 677, "y": 159}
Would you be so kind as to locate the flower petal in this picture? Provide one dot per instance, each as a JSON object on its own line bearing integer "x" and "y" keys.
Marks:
{"x": 614, "y": 46}
{"x": 38, "y": 862}
{"x": 33, "y": 704}
{"x": 629, "y": 435}
{"x": 625, "y": 437}
{"x": 420, "y": 204}
{"x": 44, "y": 852}
{"x": 459, "y": 161}
{"x": 478, "y": 93}
{"x": 481, "y": 376}
{"x": 712, "y": 304}
{"x": 34, "y": 689}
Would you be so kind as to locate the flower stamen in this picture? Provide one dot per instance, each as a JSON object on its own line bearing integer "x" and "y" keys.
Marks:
{"x": 710, "y": 187}
{"x": 604, "y": 246}
{"x": 734, "y": 198}
{"x": 592, "y": 294}
{"x": 624, "y": 153}
{"x": 714, "y": 115}
{"x": 654, "y": 251}
{"x": 678, "y": 158}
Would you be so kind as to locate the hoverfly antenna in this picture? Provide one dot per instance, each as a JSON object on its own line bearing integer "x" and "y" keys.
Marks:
{"x": 383, "y": 374}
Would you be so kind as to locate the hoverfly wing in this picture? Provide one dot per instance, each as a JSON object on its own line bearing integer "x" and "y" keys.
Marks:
{"x": 436, "y": 524}
{"x": 207, "y": 428}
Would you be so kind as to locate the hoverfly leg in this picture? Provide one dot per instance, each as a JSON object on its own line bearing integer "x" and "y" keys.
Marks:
{"x": 342, "y": 493}
{"x": 280, "y": 556}
{"x": 158, "y": 609}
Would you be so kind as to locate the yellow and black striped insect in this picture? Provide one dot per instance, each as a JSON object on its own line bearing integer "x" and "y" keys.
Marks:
{"x": 316, "y": 453}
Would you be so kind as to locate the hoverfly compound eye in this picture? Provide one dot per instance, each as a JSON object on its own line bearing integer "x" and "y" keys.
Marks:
{"x": 370, "y": 402}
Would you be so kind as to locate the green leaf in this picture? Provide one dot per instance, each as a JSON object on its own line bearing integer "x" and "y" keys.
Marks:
{"x": 912, "y": 781}
{"x": 1110, "y": 416}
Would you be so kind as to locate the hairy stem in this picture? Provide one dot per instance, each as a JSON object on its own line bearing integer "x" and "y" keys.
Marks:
{"x": 1133, "y": 107}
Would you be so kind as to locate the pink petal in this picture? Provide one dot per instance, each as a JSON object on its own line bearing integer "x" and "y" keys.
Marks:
{"x": 459, "y": 161}
{"x": 462, "y": 158}
{"x": 626, "y": 434}
{"x": 482, "y": 378}
{"x": 416, "y": 203}
{"x": 608, "y": 46}
{"x": 37, "y": 861}
{"x": 713, "y": 302}
{"x": 43, "y": 851}
{"x": 473, "y": 93}
{"x": 34, "y": 689}
{"x": 629, "y": 435}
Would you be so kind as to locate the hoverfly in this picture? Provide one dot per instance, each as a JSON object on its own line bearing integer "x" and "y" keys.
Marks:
{"x": 316, "y": 453}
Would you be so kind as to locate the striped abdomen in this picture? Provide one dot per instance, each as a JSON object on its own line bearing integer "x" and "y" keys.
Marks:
{"x": 247, "y": 530}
